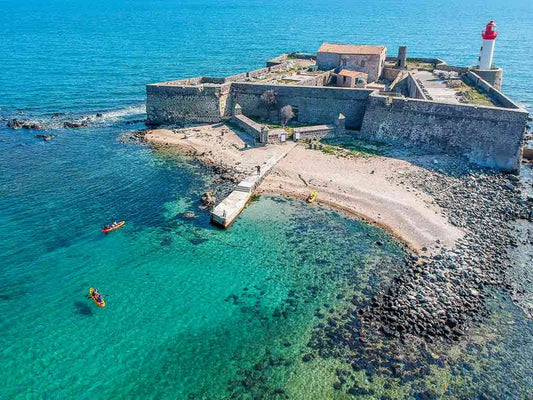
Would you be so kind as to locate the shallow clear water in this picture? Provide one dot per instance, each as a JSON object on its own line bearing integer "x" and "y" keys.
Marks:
{"x": 187, "y": 304}
{"x": 192, "y": 310}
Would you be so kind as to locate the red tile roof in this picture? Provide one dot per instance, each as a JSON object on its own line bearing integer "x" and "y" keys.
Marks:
{"x": 350, "y": 49}
{"x": 352, "y": 74}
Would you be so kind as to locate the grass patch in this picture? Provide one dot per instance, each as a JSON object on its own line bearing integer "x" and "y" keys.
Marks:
{"x": 329, "y": 149}
{"x": 475, "y": 97}
{"x": 471, "y": 95}
{"x": 353, "y": 147}
{"x": 420, "y": 65}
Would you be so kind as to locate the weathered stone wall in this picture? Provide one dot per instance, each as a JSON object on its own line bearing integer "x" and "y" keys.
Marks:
{"x": 247, "y": 125}
{"x": 487, "y": 136}
{"x": 370, "y": 64}
{"x": 278, "y": 60}
{"x": 175, "y": 104}
{"x": 390, "y": 74}
{"x": 493, "y": 76}
{"x": 413, "y": 88}
{"x": 315, "y": 105}
{"x": 328, "y": 61}
{"x": 317, "y": 80}
{"x": 315, "y": 132}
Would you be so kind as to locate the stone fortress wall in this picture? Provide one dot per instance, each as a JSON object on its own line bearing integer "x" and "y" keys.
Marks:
{"x": 488, "y": 136}
{"x": 314, "y": 105}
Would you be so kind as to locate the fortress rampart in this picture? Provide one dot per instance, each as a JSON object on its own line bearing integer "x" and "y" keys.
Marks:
{"x": 401, "y": 112}
{"x": 315, "y": 105}
{"x": 487, "y": 136}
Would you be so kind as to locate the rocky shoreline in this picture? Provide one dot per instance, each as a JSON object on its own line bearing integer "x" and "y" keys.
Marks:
{"x": 438, "y": 298}
{"x": 427, "y": 302}
{"x": 438, "y": 295}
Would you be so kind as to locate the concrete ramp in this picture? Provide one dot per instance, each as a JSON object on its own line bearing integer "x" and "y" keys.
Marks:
{"x": 229, "y": 209}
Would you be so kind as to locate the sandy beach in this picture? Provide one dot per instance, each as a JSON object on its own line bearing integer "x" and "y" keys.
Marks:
{"x": 371, "y": 188}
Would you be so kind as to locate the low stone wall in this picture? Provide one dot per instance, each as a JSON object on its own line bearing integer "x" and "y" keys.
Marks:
{"x": 278, "y": 60}
{"x": 414, "y": 89}
{"x": 248, "y": 125}
{"x": 317, "y": 80}
{"x": 487, "y": 136}
{"x": 390, "y": 74}
{"x": 496, "y": 96}
{"x": 314, "y": 132}
{"x": 437, "y": 63}
{"x": 444, "y": 67}
{"x": 258, "y": 72}
{"x": 236, "y": 78}
{"x": 493, "y": 76}
{"x": 315, "y": 105}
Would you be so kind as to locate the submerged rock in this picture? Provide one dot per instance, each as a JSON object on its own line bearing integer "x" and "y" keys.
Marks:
{"x": 76, "y": 124}
{"x": 208, "y": 199}
{"x": 20, "y": 124}
{"x": 46, "y": 138}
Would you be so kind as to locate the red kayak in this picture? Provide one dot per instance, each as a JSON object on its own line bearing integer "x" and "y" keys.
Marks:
{"x": 113, "y": 227}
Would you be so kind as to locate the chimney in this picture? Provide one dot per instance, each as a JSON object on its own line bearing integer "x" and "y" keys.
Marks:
{"x": 402, "y": 57}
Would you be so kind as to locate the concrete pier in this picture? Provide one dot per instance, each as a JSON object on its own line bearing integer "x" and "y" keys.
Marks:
{"x": 229, "y": 209}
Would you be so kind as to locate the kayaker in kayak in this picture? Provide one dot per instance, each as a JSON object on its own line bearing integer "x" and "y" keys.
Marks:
{"x": 114, "y": 226}
{"x": 97, "y": 296}
{"x": 107, "y": 226}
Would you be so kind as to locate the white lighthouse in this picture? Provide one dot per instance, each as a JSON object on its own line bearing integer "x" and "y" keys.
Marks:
{"x": 487, "y": 48}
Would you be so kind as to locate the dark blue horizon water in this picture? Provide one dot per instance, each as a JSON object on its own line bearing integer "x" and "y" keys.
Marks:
{"x": 61, "y": 55}
{"x": 192, "y": 311}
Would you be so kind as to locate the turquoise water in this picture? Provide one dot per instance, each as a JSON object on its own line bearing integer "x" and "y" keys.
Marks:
{"x": 187, "y": 305}
{"x": 193, "y": 311}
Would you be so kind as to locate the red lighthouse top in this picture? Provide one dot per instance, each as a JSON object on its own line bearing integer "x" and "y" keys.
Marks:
{"x": 489, "y": 33}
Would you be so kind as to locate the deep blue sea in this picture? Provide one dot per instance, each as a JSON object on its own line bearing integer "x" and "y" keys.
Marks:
{"x": 193, "y": 311}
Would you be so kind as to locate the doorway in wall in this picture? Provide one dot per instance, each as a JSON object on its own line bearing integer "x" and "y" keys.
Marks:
{"x": 295, "y": 112}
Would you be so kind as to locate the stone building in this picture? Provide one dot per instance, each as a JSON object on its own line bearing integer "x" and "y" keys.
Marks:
{"x": 351, "y": 79}
{"x": 362, "y": 58}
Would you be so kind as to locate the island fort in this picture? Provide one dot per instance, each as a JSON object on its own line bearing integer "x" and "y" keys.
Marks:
{"x": 413, "y": 101}
{"x": 401, "y": 143}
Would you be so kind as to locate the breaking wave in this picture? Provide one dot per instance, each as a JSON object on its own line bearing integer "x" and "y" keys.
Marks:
{"x": 125, "y": 115}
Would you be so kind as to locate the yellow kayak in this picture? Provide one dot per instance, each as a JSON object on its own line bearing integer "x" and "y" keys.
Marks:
{"x": 312, "y": 197}
{"x": 99, "y": 302}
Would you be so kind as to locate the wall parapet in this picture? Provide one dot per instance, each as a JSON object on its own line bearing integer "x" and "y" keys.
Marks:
{"x": 496, "y": 96}
{"x": 414, "y": 89}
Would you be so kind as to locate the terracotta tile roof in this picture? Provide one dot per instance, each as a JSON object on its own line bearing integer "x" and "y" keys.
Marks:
{"x": 352, "y": 74}
{"x": 350, "y": 49}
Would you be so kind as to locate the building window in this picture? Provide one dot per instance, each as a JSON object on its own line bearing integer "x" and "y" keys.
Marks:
{"x": 481, "y": 48}
{"x": 344, "y": 79}
{"x": 343, "y": 61}
{"x": 363, "y": 63}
